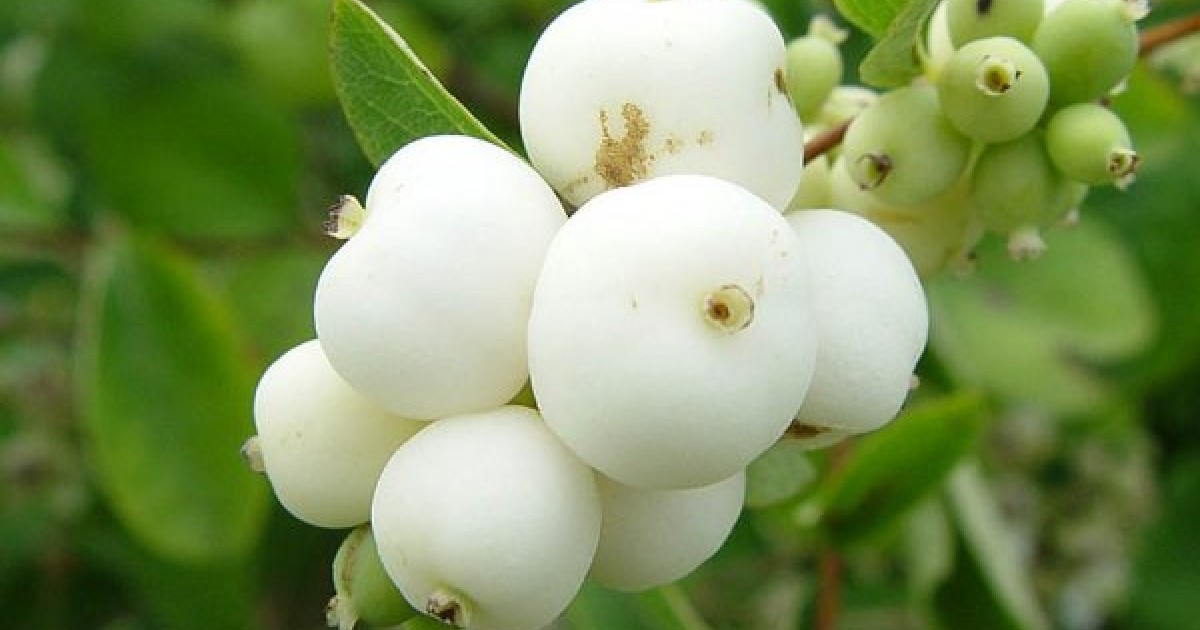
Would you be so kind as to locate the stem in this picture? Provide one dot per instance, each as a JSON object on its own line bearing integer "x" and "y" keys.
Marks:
{"x": 829, "y": 561}
{"x": 829, "y": 593}
{"x": 673, "y": 608}
{"x": 1161, "y": 34}
{"x": 826, "y": 140}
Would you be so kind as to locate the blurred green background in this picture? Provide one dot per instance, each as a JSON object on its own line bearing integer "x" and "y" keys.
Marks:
{"x": 165, "y": 167}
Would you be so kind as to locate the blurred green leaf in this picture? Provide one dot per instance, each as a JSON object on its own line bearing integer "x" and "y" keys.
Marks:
{"x": 669, "y": 608}
{"x": 164, "y": 403}
{"x": 271, "y": 292}
{"x": 171, "y": 136}
{"x": 1159, "y": 216}
{"x": 283, "y": 43}
{"x": 597, "y": 608}
{"x": 389, "y": 97}
{"x": 1167, "y": 576}
{"x": 32, "y": 185}
{"x": 989, "y": 588}
{"x": 1036, "y": 333}
{"x": 888, "y": 472}
{"x": 778, "y": 474}
{"x": 893, "y": 61}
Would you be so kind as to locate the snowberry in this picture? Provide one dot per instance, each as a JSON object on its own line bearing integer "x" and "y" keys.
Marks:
{"x": 486, "y": 521}
{"x": 993, "y": 89}
{"x": 618, "y": 91}
{"x": 424, "y": 308}
{"x": 969, "y": 20}
{"x": 814, "y": 66}
{"x": 871, "y": 321}
{"x": 815, "y": 181}
{"x": 654, "y": 537}
{"x": 670, "y": 340}
{"x": 902, "y": 149}
{"x": 1016, "y": 191}
{"x": 1090, "y": 144}
{"x": 1088, "y": 47}
{"x": 322, "y": 444}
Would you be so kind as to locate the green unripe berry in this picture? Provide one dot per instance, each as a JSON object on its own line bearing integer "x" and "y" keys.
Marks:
{"x": 814, "y": 66}
{"x": 969, "y": 20}
{"x": 1015, "y": 191}
{"x": 937, "y": 235}
{"x": 1088, "y": 47}
{"x": 846, "y": 102}
{"x": 363, "y": 590}
{"x": 903, "y": 149}
{"x": 1090, "y": 144}
{"x": 993, "y": 89}
{"x": 814, "y": 188}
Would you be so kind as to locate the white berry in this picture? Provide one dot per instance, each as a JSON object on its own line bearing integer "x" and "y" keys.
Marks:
{"x": 486, "y": 521}
{"x": 424, "y": 309}
{"x": 871, "y": 318}
{"x": 322, "y": 444}
{"x": 619, "y": 91}
{"x": 654, "y": 537}
{"x": 671, "y": 340}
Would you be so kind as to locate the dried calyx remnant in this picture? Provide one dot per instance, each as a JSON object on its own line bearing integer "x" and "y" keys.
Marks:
{"x": 798, "y": 429}
{"x": 253, "y": 456}
{"x": 346, "y": 216}
{"x": 996, "y": 75}
{"x": 448, "y": 607}
{"x": 729, "y": 308}
{"x": 870, "y": 169}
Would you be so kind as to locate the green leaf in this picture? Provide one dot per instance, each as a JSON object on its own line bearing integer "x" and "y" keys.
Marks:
{"x": 888, "y": 472}
{"x": 893, "y": 61}
{"x": 989, "y": 589}
{"x": 778, "y": 475}
{"x": 165, "y": 404}
{"x": 872, "y": 16}
{"x": 389, "y": 97}
{"x": 1036, "y": 333}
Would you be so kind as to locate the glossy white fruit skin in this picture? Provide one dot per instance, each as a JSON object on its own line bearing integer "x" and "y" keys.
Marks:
{"x": 654, "y": 537}
{"x": 625, "y": 366}
{"x": 701, "y": 81}
{"x": 322, "y": 443}
{"x": 424, "y": 309}
{"x": 872, "y": 321}
{"x": 492, "y": 507}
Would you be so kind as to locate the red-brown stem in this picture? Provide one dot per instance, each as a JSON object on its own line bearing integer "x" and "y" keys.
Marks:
{"x": 825, "y": 141}
{"x": 829, "y": 591}
{"x": 1167, "y": 32}
{"x": 829, "y": 561}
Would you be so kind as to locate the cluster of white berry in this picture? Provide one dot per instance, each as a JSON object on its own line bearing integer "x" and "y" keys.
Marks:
{"x": 1004, "y": 133}
{"x": 672, "y": 329}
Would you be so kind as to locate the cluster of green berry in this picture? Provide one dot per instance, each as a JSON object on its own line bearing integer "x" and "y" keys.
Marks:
{"x": 1004, "y": 133}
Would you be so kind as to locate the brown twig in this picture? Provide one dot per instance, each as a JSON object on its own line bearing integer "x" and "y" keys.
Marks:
{"x": 825, "y": 141}
{"x": 1167, "y": 32}
{"x": 829, "y": 592}
{"x": 829, "y": 560}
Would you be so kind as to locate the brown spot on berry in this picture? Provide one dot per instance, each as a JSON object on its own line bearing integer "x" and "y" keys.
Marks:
{"x": 624, "y": 160}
